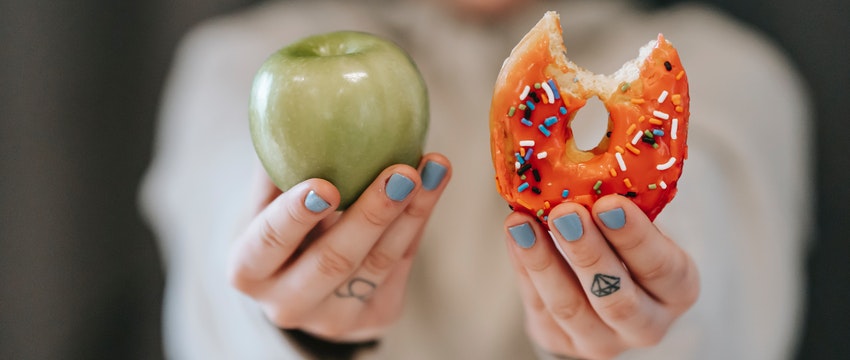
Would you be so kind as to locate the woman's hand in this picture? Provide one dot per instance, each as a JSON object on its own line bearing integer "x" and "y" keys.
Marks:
{"x": 338, "y": 276}
{"x": 618, "y": 282}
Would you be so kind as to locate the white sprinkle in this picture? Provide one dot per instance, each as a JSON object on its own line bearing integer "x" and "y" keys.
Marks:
{"x": 620, "y": 161}
{"x": 524, "y": 92}
{"x": 638, "y": 135}
{"x": 660, "y": 115}
{"x": 666, "y": 165}
{"x": 662, "y": 97}
{"x": 549, "y": 94}
{"x": 663, "y": 184}
{"x": 516, "y": 165}
{"x": 542, "y": 155}
{"x": 526, "y": 143}
{"x": 674, "y": 129}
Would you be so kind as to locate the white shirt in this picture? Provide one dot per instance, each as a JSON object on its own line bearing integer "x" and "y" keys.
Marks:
{"x": 742, "y": 210}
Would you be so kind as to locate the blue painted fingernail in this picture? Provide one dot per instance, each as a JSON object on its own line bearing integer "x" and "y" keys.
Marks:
{"x": 432, "y": 175}
{"x": 399, "y": 186}
{"x": 569, "y": 226}
{"x": 613, "y": 219}
{"x": 523, "y": 235}
{"x": 315, "y": 203}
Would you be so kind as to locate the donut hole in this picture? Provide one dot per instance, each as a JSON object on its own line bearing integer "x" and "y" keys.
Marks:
{"x": 590, "y": 126}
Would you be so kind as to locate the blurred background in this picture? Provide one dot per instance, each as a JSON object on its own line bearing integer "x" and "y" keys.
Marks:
{"x": 80, "y": 80}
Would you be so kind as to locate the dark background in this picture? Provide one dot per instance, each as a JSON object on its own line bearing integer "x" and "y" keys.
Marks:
{"x": 80, "y": 276}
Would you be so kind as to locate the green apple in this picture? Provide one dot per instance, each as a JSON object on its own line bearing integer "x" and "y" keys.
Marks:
{"x": 340, "y": 106}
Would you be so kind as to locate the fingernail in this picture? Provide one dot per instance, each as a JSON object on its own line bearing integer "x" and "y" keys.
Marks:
{"x": 315, "y": 203}
{"x": 523, "y": 235}
{"x": 432, "y": 175}
{"x": 613, "y": 219}
{"x": 398, "y": 187}
{"x": 569, "y": 226}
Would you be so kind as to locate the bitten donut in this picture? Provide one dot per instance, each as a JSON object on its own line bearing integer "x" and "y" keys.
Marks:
{"x": 538, "y": 93}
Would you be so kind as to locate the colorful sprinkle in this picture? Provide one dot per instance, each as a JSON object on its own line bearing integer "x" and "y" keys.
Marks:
{"x": 546, "y": 205}
{"x": 519, "y": 158}
{"x": 676, "y": 99}
{"x": 620, "y": 149}
{"x": 534, "y": 97}
{"x": 517, "y": 165}
{"x": 536, "y": 175}
{"x": 661, "y": 115}
{"x": 522, "y": 187}
{"x": 528, "y": 154}
{"x": 638, "y": 101}
{"x": 544, "y": 130}
{"x": 655, "y": 121}
{"x": 625, "y": 87}
{"x": 631, "y": 129}
{"x": 652, "y": 186}
{"x": 511, "y": 111}
{"x": 612, "y": 172}
{"x": 648, "y": 134}
{"x": 527, "y": 113}
{"x": 627, "y": 182}
{"x": 620, "y": 161}
{"x": 522, "y": 107}
{"x": 565, "y": 193}
{"x": 527, "y": 143}
{"x": 637, "y": 137}
{"x": 597, "y": 185}
{"x": 537, "y": 86}
{"x": 525, "y": 92}
{"x": 542, "y": 155}
{"x": 563, "y": 110}
{"x": 630, "y": 194}
{"x": 674, "y": 129}
{"x": 522, "y": 169}
{"x": 548, "y": 89}
{"x": 663, "y": 96}
{"x": 554, "y": 89}
{"x": 680, "y": 108}
{"x": 666, "y": 165}
{"x": 658, "y": 132}
{"x": 535, "y": 190}
{"x": 522, "y": 152}
{"x": 550, "y": 121}
{"x": 633, "y": 149}
{"x": 526, "y": 122}
{"x": 655, "y": 145}
{"x": 539, "y": 212}
{"x": 680, "y": 74}
{"x": 668, "y": 65}
{"x": 663, "y": 184}
{"x": 529, "y": 104}
{"x": 641, "y": 118}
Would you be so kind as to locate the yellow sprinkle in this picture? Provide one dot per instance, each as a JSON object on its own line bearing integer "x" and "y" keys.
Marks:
{"x": 544, "y": 99}
{"x": 655, "y": 121}
{"x": 633, "y": 149}
{"x": 619, "y": 149}
{"x": 680, "y": 74}
{"x": 680, "y": 109}
{"x": 638, "y": 101}
{"x": 627, "y": 182}
{"x": 523, "y": 203}
{"x": 546, "y": 205}
{"x": 641, "y": 118}
{"x": 522, "y": 151}
{"x": 676, "y": 99}
{"x": 631, "y": 129}
{"x": 613, "y": 172}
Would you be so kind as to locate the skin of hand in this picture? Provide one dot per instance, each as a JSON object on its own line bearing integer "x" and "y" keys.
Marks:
{"x": 609, "y": 281}
{"x": 339, "y": 276}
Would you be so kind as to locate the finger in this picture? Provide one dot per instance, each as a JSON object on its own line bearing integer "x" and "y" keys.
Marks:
{"x": 334, "y": 256}
{"x": 559, "y": 289}
{"x": 435, "y": 172}
{"x": 637, "y": 318}
{"x": 277, "y": 231}
{"x": 660, "y": 266}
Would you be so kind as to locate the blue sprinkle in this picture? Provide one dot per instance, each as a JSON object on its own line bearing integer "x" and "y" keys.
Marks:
{"x": 528, "y": 154}
{"x": 563, "y": 110}
{"x": 530, "y": 104}
{"x": 565, "y": 193}
{"x": 658, "y": 132}
{"x": 526, "y": 122}
{"x": 522, "y": 187}
{"x": 554, "y": 89}
{"x": 519, "y": 158}
{"x": 550, "y": 121}
{"x": 544, "y": 130}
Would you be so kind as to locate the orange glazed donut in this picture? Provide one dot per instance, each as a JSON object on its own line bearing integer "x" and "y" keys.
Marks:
{"x": 537, "y": 95}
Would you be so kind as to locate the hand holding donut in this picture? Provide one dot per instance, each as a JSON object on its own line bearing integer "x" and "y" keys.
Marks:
{"x": 338, "y": 276}
{"x": 582, "y": 301}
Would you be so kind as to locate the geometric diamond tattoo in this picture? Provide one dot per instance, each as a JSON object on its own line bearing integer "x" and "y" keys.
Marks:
{"x": 604, "y": 285}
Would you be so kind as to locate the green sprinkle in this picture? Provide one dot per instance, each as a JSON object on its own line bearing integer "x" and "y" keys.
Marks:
{"x": 625, "y": 87}
{"x": 522, "y": 177}
{"x": 652, "y": 186}
{"x": 648, "y": 134}
{"x": 540, "y": 213}
{"x": 522, "y": 106}
{"x": 511, "y": 111}
{"x": 655, "y": 145}
{"x": 537, "y": 85}
{"x": 597, "y": 186}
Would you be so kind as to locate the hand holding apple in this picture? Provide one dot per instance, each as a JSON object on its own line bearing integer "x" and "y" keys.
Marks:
{"x": 340, "y": 106}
